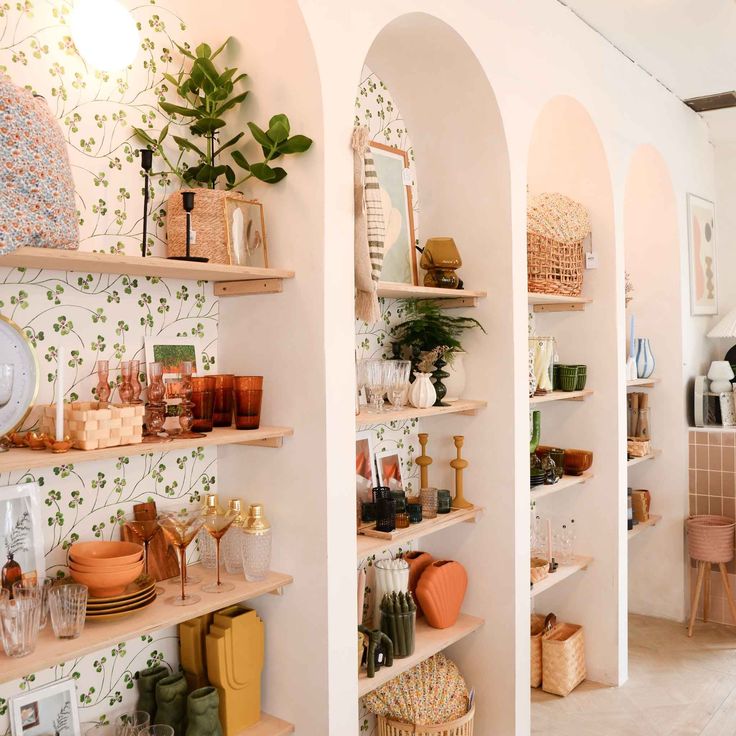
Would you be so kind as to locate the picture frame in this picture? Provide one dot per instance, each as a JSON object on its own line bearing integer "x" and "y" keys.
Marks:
{"x": 701, "y": 231}
{"x": 21, "y": 529}
{"x": 51, "y": 709}
{"x": 391, "y": 469}
{"x": 247, "y": 244}
{"x": 365, "y": 466}
{"x": 399, "y": 254}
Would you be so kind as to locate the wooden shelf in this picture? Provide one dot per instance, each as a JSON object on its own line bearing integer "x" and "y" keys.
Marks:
{"x": 642, "y": 383}
{"x": 565, "y": 482}
{"x": 268, "y": 726}
{"x": 461, "y": 406}
{"x": 429, "y": 641}
{"x": 563, "y": 573}
{"x": 447, "y": 298}
{"x": 51, "y": 651}
{"x": 562, "y": 396}
{"x": 555, "y": 303}
{"x": 229, "y": 280}
{"x": 637, "y": 460}
{"x": 22, "y": 458}
{"x": 642, "y": 526}
{"x": 368, "y": 545}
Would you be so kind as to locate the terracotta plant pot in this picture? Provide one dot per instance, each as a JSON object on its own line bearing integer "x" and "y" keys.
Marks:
{"x": 418, "y": 563}
{"x": 440, "y": 592}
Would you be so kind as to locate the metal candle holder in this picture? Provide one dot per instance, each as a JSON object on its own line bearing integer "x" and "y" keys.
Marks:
{"x": 187, "y": 199}
{"x": 146, "y": 165}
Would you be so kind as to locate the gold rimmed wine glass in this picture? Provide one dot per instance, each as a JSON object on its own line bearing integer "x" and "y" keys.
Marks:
{"x": 180, "y": 527}
{"x": 145, "y": 530}
{"x": 217, "y": 524}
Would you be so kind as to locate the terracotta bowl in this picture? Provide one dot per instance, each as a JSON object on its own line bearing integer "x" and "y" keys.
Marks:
{"x": 578, "y": 461}
{"x": 107, "y": 583}
{"x": 105, "y": 554}
{"x": 102, "y": 570}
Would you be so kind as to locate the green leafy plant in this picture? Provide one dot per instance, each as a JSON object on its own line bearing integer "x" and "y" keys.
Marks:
{"x": 205, "y": 94}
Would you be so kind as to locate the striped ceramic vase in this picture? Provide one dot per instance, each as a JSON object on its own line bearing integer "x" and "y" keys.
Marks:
{"x": 644, "y": 358}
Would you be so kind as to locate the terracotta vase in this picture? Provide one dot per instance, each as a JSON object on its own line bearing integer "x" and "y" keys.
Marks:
{"x": 418, "y": 563}
{"x": 440, "y": 591}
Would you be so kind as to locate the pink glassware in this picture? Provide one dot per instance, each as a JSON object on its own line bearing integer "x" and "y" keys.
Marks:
{"x": 135, "y": 381}
{"x": 103, "y": 381}
{"x": 125, "y": 390}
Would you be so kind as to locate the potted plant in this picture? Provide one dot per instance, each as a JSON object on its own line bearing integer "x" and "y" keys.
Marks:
{"x": 209, "y": 160}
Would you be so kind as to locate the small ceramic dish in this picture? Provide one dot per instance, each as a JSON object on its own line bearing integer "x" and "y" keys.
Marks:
{"x": 106, "y": 554}
{"x": 107, "y": 583}
{"x": 36, "y": 440}
{"x": 578, "y": 461}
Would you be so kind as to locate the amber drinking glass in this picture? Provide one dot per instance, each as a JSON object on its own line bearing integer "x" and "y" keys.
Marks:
{"x": 248, "y": 396}
{"x": 223, "y": 412}
{"x": 180, "y": 527}
{"x": 217, "y": 524}
{"x": 203, "y": 403}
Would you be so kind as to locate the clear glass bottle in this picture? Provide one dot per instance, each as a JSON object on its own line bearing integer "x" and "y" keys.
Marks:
{"x": 207, "y": 553}
{"x": 256, "y": 544}
{"x": 232, "y": 542}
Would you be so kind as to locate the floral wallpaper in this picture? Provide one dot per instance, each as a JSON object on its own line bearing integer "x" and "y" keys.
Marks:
{"x": 102, "y": 316}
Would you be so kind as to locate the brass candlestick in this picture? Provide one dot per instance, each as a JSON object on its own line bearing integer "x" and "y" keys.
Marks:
{"x": 459, "y": 464}
{"x": 423, "y": 461}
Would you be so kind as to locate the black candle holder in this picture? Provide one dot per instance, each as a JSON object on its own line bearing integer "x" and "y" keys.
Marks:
{"x": 187, "y": 199}
{"x": 146, "y": 165}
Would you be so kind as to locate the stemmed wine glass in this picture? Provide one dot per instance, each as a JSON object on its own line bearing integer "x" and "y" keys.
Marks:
{"x": 376, "y": 379}
{"x": 180, "y": 527}
{"x": 217, "y": 524}
{"x": 7, "y": 374}
{"x": 145, "y": 530}
{"x": 398, "y": 387}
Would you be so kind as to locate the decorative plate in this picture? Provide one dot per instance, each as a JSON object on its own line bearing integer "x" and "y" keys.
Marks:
{"x": 120, "y": 614}
{"x": 15, "y": 348}
{"x": 139, "y": 585}
{"x": 121, "y": 607}
{"x": 94, "y": 604}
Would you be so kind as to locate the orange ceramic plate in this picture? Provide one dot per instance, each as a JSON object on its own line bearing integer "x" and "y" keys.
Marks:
{"x": 141, "y": 584}
{"x": 120, "y": 614}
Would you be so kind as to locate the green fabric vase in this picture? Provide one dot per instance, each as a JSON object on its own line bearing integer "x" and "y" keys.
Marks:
{"x": 203, "y": 713}
{"x": 147, "y": 680}
{"x": 171, "y": 702}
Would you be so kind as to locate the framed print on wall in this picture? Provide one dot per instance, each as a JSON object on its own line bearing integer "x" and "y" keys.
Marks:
{"x": 21, "y": 532}
{"x": 246, "y": 232}
{"x": 391, "y": 470}
{"x": 365, "y": 467}
{"x": 702, "y": 247}
{"x": 399, "y": 250}
{"x": 48, "y": 710}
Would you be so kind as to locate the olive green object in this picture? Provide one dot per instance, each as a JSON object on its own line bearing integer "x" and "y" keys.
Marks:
{"x": 203, "y": 713}
{"x": 536, "y": 430}
{"x": 398, "y": 621}
{"x": 147, "y": 680}
{"x": 171, "y": 702}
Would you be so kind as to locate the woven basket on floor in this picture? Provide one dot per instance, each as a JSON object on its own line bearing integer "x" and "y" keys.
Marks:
{"x": 710, "y": 538}
{"x": 462, "y": 726}
{"x": 563, "y": 659}
{"x": 556, "y": 229}
{"x": 537, "y": 631}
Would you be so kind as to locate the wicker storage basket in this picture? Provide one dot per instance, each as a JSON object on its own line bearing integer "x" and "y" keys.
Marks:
{"x": 710, "y": 538}
{"x": 462, "y": 726}
{"x": 538, "y": 569}
{"x": 563, "y": 659}
{"x": 91, "y": 428}
{"x": 556, "y": 228}
{"x": 537, "y": 631}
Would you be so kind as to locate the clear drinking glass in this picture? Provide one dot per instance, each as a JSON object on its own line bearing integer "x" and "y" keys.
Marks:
{"x": 180, "y": 527}
{"x": 398, "y": 392}
{"x": 44, "y": 584}
{"x": 159, "y": 729}
{"x": 376, "y": 380}
{"x": 68, "y": 607}
{"x": 217, "y": 525}
{"x": 132, "y": 724}
{"x": 361, "y": 377}
{"x": 19, "y": 621}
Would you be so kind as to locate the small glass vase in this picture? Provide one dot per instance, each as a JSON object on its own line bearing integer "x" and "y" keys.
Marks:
{"x": 103, "y": 381}
{"x": 125, "y": 390}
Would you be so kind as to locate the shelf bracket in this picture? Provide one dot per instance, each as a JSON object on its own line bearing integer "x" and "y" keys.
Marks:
{"x": 559, "y": 307}
{"x": 267, "y": 442}
{"x": 246, "y": 288}
{"x": 462, "y": 302}
{"x": 277, "y": 591}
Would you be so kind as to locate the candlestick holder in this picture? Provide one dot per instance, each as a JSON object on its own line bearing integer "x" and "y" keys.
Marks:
{"x": 135, "y": 381}
{"x": 458, "y": 465}
{"x": 187, "y": 199}
{"x": 58, "y": 446}
{"x": 146, "y": 165}
{"x": 423, "y": 461}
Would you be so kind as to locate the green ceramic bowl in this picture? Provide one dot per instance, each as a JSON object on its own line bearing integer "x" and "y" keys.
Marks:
{"x": 568, "y": 377}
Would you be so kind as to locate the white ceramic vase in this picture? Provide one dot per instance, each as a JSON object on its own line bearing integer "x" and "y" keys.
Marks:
{"x": 455, "y": 382}
{"x": 422, "y": 394}
{"x": 644, "y": 358}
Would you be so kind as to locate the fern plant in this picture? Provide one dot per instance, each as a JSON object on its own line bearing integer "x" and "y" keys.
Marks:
{"x": 17, "y": 540}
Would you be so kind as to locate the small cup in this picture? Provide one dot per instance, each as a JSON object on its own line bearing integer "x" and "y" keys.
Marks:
{"x": 428, "y": 497}
{"x": 133, "y": 723}
{"x": 222, "y": 415}
{"x": 582, "y": 377}
{"x": 45, "y": 585}
{"x": 444, "y": 502}
{"x": 68, "y": 606}
{"x": 19, "y": 621}
{"x": 568, "y": 377}
{"x": 248, "y": 391}
{"x": 415, "y": 512}
{"x": 368, "y": 512}
{"x": 203, "y": 403}
{"x": 400, "y": 498}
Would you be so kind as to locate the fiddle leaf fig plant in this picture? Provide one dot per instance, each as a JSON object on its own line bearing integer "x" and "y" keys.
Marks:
{"x": 205, "y": 94}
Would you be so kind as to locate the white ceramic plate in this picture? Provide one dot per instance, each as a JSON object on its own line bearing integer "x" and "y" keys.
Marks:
{"x": 15, "y": 349}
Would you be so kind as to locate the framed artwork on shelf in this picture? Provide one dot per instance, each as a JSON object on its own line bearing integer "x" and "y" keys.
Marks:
{"x": 391, "y": 470}
{"x": 394, "y": 179}
{"x": 365, "y": 467}
{"x": 246, "y": 232}
{"x": 21, "y": 532}
{"x": 701, "y": 228}
{"x": 48, "y": 710}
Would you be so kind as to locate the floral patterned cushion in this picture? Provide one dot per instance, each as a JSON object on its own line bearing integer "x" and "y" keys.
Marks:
{"x": 36, "y": 187}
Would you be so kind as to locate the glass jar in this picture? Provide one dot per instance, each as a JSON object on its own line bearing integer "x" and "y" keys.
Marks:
{"x": 256, "y": 544}
{"x": 402, "y": 520}
{"x": 385, "y": 515}
{"x": 207, "y": 553}
{"x": 232, "y": 542}
{"x": 400, "y": 498}
{"x": 415, "y": 512}
{"x": 428, "y": 497}
{"x": 390, "y": 576}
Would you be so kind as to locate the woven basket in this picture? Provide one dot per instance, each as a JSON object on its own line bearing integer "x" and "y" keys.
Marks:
{"x": 537, "y": 631}
{"x": 539, "y": 569}
{"x": 710, "y": 538}
{"x": 461, "y": 727}
{"x": 556, "y": 229}
{"x": 91, "y": 428}
{"x": 563, "y": 659}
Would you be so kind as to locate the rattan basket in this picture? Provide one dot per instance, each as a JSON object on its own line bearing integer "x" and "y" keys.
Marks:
{"x": 556, "y": 229}
{"x": 710, "y": 538}
{"x": 537, "y": 631}
{"x": 462, "y": 726}
{"x": 563, "y": 659}
{"x": 538, "y": 569}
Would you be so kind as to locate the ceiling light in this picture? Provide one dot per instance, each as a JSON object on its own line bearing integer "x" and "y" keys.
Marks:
{"x": 104, "y": 33}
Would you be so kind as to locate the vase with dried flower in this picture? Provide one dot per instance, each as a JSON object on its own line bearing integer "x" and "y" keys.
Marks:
{"x": 15, "y": 542}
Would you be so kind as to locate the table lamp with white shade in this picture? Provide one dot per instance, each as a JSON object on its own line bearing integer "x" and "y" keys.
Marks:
{"x": 720, "y": 374}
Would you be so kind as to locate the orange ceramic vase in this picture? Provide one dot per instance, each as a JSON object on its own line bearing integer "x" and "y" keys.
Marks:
{"x": 440, "y": 591}
{"x": 418, "y": 563}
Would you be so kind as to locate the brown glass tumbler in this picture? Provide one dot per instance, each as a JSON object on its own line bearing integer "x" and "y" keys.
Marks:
{"x": 248, "y": 395}
{"x": 223, "y": 413}
{"x": 203, "y": 400}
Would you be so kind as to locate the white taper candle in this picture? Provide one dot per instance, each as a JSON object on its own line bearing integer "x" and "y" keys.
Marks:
{"x": 60, "y": 393}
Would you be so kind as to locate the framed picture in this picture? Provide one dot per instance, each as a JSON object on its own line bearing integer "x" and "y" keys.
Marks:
{"x": 391, "y": 470}
{"x": 702, "y": 247}
{"x": 365, "y": 468}
{"x": 49, "y": 710}
{"x": 21, "y": 532}
{"x": 399, "y": 250}
{"x": 246, "y": 232}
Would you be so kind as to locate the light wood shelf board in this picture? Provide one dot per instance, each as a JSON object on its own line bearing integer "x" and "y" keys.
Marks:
{"x": 23, "y": 458}
{"x": 51, "y": 651}
{"x": 567, "y": 481}
{"x": 368, "y": 545}
{"x": 642, "y": 526}
{"x": 268, "y": 725}
{"x": 446, "y": 298}
{"x": 541, "y": 303}
{"x": 561, "y": 396}
{"x": 563, "y": 573}
{"x": 638, "y": 460}
{"x": 109, "y": 263}
{"x": 642, "y": 383}
{"x": 461, "y": 406}
{"x": 429, "y": 641}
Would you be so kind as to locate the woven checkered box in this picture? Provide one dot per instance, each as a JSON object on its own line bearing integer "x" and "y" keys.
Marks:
{"x": 92, "y": 428}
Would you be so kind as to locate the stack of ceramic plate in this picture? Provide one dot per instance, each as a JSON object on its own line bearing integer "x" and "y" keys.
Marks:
{"x": 140, "y": 594}
{"x": 536, "y": 477}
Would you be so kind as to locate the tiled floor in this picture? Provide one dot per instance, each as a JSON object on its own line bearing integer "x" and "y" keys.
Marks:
{"x": 677, "y": 687}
